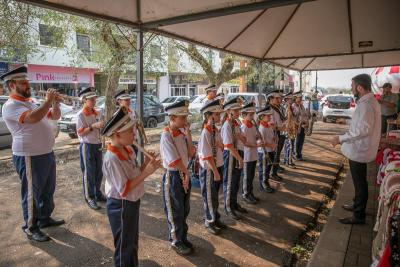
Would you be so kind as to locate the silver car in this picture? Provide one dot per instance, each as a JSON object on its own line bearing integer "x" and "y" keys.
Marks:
{"x": 5, "y": 135}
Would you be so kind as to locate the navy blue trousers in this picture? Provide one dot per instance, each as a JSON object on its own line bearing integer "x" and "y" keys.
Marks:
{"x": 289, "y": 151}
{"x": 249, "y": 171}
{"x": 123, "y": 216}
{"x": 300, "y": 142}
{"x": 91, "y": 159}
{"x": 38, "y": 183}
{"x": 176, "y": 206}
{"x": 265, "y": 166}
{"x": 209, "y": 191}
{"x": 231, "y": 181}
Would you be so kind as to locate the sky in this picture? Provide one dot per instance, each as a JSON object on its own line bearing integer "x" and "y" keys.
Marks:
{"x": 337, "y": 78}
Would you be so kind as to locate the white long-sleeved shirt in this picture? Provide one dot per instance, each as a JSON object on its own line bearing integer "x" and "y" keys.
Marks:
{"x": 361, "y": 142}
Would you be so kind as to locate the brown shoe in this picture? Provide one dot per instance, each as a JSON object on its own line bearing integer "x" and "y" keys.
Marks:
{"x": 352, "y": 220}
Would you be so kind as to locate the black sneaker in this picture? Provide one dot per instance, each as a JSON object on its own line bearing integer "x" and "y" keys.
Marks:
{"x": 292, "y": 165}
{"x": 249, "y": 199}
{"x": 92, "y": 204}
{"x": 254, "y": 197}
{"x": 212, "y": 229}
{"x": 181, "y": 249}
{"x": 50, "y": 222}
{"x": 220, "y": 224}
{"x": 189, "y": 244}
{"x": 352, "y": 220}
{"x": 280, "y": 168}
{"x": 269, "y": 189}
{"x": 101, "y": 198}
{"x": 233, "y": 215}
{"x": 240, "y": 209}
{"x": 37, "y": 235}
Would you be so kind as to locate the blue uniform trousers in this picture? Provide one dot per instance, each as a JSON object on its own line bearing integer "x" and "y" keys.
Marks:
{"x": 249, "y": 171}
{"x": 288, "y": 151}
{"x": 300, "y": 142}
{"x": 91, "y": 159}
{"x": 123, "y": 216}
{"x": 38, "y": 183}
{"x": 176, "y": 206}
{"x": 209, "y": 191}
{"x": 231, "y": 181}
{"x": 265, "y": 166}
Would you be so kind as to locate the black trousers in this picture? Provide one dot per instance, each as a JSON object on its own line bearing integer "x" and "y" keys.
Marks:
{"x": 249, "y": 171}
{"x": 384, "y": 119}
{"x": 300, "y": 142}
{"x": 281, "y": 142}
{"x": 358, "y": 172}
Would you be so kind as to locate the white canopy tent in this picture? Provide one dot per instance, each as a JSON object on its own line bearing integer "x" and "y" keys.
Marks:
{"x": 296, "y": 34}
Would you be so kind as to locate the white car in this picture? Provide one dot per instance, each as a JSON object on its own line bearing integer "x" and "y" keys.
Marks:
{"x": 249, "y": 97}
{"x": 197, "y": 104}
{"x": 338, "y": 106}
{"x": 173, "y": 99}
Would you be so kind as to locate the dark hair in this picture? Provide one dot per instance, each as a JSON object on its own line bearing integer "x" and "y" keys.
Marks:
{"x": 364, "y": 80}
{"x": 387, "y": 85}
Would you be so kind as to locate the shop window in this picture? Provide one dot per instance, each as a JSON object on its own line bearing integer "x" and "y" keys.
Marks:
{"x": 83, "y": 44}
{"x": 51, "y": 36}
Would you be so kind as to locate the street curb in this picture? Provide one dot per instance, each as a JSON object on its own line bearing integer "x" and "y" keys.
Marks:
{"x": 66, "y": 154}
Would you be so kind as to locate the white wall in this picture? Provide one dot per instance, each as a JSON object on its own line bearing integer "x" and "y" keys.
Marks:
{"x": 163, "y": 87}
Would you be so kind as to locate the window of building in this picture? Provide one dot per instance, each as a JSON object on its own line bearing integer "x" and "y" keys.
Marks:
{"x": 234, "y": 89}
{"x": 51, "y": 36}
{"x": 178, "y": 89}
{"x": 192, "y": 89}
{"x": 83, "y": 44}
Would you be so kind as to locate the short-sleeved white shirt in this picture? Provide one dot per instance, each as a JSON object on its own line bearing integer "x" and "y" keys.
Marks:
{"x": 276, "y": 118}
{"x": 207, "y": 100}
{"x": 205, "y": 145}
{"x": 119, "y": 171}
{"x": 84, "y": 120}
{"x": 29, "y": 139}
{"x": 250, "y": 132}
{"x": 227, "y": 136}
{"x": 268, "y": 136}
{"x": 173, "y": 148}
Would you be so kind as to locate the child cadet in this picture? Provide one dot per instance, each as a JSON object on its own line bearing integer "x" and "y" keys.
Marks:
{"x": 211, "y": 165}
{"x": 249, "y": 130}
{"x": 266, "y": 153}
{"x": 176, "y": 149}
{"x": 233, "y": 162}
{"x": 211, "y": 93}
{"x": 88, "y": 127}
{"x": 124, "y": 186}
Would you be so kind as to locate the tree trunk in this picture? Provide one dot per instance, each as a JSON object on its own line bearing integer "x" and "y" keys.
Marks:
{"x": 111, "y": 88}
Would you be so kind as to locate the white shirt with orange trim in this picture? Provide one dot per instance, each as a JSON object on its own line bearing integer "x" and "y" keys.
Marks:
{"x": 268, "y": 136}
{"x": 205, "y": 150}
{"x": 207, "y": 100}
{"x": 250, "y": 132}
{"x": 85, "y": 119}
{"x": 28, "y": 139}
{"x": 119, "y": 171}
{"x": 173, "y": 148}
{"x": 276, "y": 118}
{"x": 226, "y": 134}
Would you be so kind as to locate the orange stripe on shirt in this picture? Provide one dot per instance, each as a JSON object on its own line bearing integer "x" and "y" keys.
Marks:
{"x": 23, "y": 116}
{"x": 126, "y": 188}
{"x": 228, "y": 145}
{"x": 80, "y": 130}
{"x": 174, "y": 163}
{"x": 49, "y": 114}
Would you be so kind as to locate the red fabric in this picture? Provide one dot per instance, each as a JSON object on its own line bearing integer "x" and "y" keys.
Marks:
{"x": 394, "y": 69}
{"x": 378, "y": 70}
{"x": 384, "y": 261}
{"x": 379, "y": 157}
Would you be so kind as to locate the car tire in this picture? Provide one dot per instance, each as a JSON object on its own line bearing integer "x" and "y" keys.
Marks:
{"x": 73, "y": 135}
{"x": 151, "y": 122}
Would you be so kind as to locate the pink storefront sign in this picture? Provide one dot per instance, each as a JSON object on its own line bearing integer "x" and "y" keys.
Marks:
{"x": 53, "y": 74}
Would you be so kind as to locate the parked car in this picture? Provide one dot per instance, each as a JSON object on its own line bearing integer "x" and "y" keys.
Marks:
{"x": 153, "y": 114}
{"x": 248, "y": 97}
{"x": 5, "y": 135}
{"x": 173, "y": 99}
{"x": 338, "y": 106}
{"x": 197, "y": 104}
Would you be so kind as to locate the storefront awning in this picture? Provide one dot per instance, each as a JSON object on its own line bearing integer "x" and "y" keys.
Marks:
{"x": 296, "y": 34}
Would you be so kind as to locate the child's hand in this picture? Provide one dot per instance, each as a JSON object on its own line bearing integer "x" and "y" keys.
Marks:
{"x": 217, "y": 177}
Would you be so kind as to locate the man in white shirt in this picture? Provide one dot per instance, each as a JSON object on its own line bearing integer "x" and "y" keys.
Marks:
{"x": 360, "y": 144}
{"x": 32, "y": 148}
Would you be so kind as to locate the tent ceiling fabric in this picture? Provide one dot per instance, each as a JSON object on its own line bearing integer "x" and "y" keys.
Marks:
{"x": 297, "y": 34}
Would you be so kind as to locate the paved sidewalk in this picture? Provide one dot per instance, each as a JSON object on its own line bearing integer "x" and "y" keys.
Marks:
{"x": 347, "y": 245}
{"x": 263, "y": 238}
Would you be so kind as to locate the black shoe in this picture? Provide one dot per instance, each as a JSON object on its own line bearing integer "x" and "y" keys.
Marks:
{"x": 348, "y": 207}
{"x": 92, "y": 204}
{"x": 220, "y": 224}
{"x": 254, "y": 197}
{"x": 292, "y": 165}
{"x": 300, "y": 159}
{"x": 240, "y": 209}
{"x": 276, "y": 177}
{"x": 249, "y": 200}
{"x": 269, "y": 189}
{"x": 280, "y": 169}
{"x": 50, "y": 222}
{"x": 352, "y": 220}
{"x": 233, "y": 215}
{"x": 101, "y": 198}
{"x": 181, "y": 249}
{"x": 212, "y": 229}
{"x": 37, "y": 235}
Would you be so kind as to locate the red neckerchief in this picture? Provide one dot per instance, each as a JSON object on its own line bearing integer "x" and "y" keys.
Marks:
{"x": 20, "y": 98}
{"x": 264, "y": 124}
{"x": 89, "y": 112}
{"x": 210, "y": 98}
{"x": 175, "y": 133}
{"x": 235, "y": 122}
{"x": 116, "y": 151}
{"x": 208, "y": 127}
{"x": 248, "y": 123}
